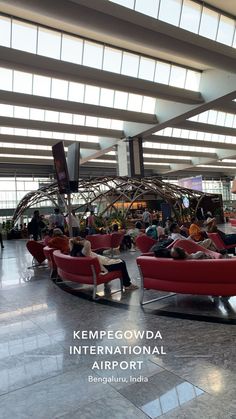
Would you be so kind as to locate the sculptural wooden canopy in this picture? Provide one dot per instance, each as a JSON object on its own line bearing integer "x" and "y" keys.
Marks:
{"x": 118, "y": 189}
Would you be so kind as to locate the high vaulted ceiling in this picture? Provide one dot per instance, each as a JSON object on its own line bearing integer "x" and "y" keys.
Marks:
{"x": 101, "y": 71}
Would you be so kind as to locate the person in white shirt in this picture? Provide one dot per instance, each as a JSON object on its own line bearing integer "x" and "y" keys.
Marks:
{"x": 74, "y": 223}
{"x": 146, "y": 217}
{"x": 57, "y": 220}
{"x": 81, "y": 247}
{"x": 175, "y": 235}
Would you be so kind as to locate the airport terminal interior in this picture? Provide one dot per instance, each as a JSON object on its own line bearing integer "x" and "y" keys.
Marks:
{"x": 117, "y": 209}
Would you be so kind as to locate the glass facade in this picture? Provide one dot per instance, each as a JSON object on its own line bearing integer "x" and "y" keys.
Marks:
{"x": 12, "y": 190}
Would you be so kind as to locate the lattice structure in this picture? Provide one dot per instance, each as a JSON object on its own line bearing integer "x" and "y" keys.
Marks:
{"x": 117, "y": 189}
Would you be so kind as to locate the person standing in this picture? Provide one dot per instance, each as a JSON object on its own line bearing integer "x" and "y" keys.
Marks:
{"x": 74, "y": 223}
{"x": 1, "y": 241}
{"x": 91, "y": 223}
{"x": 146, "y": 217}
{"x": 36, "y": 225}
{"x": 56, "y": 220}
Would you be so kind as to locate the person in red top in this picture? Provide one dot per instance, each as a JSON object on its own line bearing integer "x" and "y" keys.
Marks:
{"x": 59, "y": 241}
{"x": 91, "y": 223}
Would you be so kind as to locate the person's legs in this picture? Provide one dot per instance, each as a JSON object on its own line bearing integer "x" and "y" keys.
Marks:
{"x": 75, "y": 231}
{"x": 208, "y": 244}
{"x": 1, "y": 242}
{"x": 229, "y": 239}
{"x": 120, "y": 266}
{"x": 35, "y": 235}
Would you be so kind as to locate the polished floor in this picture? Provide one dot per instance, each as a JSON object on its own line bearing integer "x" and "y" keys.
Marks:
{"x": 193, "y": 376}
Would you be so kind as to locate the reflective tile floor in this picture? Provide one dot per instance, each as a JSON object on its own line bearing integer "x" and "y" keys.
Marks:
{"x": 189, "y": 373}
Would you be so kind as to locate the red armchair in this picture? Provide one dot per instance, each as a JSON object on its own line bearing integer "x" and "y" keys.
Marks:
{"x": 36, "y": 250}
{"x": 116, "y": 240}
{"x": 199, "y": 277}
{"x": 48, "y": 252}
{"x": 84, "y": 270}
{"x": 144, "y": 243}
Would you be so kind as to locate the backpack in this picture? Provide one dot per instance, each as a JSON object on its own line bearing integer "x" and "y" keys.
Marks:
{"x": 152, "y": 232}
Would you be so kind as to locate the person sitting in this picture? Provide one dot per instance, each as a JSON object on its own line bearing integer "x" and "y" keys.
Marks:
{"x": 131, "y": 236}
{"x": 82, "y": 247}
{"x": 155, "y": 231}
{"x": 195, "y": 231}
{"x": 59, "y": 241}
{"x": 178, "y": 253}
{"x": 211, "y": 227}
{"x": 47, "y": 237}
{"x": 114, "y": 251}
{"x": 184, "y": 230}
{"x": 176, "y": 235}
{"x": 115, "y": 228}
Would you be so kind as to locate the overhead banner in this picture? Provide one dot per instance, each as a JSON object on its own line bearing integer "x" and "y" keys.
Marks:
{"x": 191, "y": 183}
{"x": 61, "y": 168}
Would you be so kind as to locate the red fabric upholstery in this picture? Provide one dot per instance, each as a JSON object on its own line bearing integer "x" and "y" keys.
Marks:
{"x": 116, "y": 239}
{"x": 218, "y": 242}
{"x": 191, "y": 247}
{"x": 36, "y": 250}
{"x": 232, "y": 222}
{"x": 144, "y": 243}
{"x": 48, "y": 252}
{"x": 79, "y": 269}
{"x": 99, "y": 241}
{"x": 105, "y": 241}
{"x": 201, "y": 277}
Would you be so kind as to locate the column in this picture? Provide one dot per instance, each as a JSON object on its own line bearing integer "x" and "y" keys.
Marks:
{"x": 130, "y": 157}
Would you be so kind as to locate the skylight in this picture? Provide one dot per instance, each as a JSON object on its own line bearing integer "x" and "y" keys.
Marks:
{"x": 18, "y": 81}
{"x": 196, "y": 135}
{"x": 149, "y": 144}
{"x": 49, "y": 135}
{"x": 223, "y": 119}
{"x": 188, "y": 15}
{"x": 35, "y": 39}
{"x": 59, "y": 117}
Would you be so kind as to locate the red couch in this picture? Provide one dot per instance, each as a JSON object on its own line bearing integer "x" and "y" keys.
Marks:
{"x": 192, "y": 247}
{"x": 200, "y": 277}
{"x": 85, "y": 270}
{"x": 100, "y": 242}
{"x": 232, "y": 222}
{"x": 218, "y": 242}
